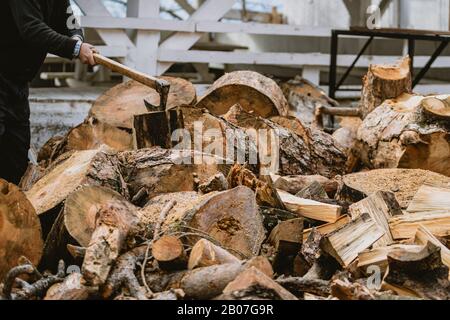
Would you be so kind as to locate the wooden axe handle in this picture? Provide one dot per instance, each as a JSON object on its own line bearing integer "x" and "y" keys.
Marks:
{"x": 161, "y": 86}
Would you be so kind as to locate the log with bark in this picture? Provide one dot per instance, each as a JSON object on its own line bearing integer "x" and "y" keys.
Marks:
{"x": 254, "y": 92}
{"x": 399, "y": 134}
{"x": 117, "y": 106}
{"x": 418, "y": 274}
{"x": 72, "y": 288}
{"x": 404, "y": 183}
{"x": 157, "y": 170}
{"x": 384, "y": 82}
{"x": 169, "y": 252}
{"x": 327, "y": 228}
{"x": 20, "y": 229}
{"x": 285, "y": 149}
{"x": 294, "y": 184}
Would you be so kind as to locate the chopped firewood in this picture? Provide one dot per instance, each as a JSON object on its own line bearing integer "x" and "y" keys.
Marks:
{"x": 252, "y": 278}
{"x": 405, "y": 226}
{"x": 346, "y": 290}
{"x": 404, "y": 183}
{"x": 381, "y": 206}
{"x": 272, "y": 216}
{"x": 328, "y": 227}
{"x": 169, "y": 252}
{"x": 20, "y": 229}
{"x": 72, "y": 288}
{"x": 232, "y": 218}
{"x": 418, "y": 274}
{"x": 117, "y": 106}
{"x": 318, "y": 153}
{"x": 266, "y": 194}
{"x": 309, "y": 208}
{"x": 31, "y": 176}
{"x": 378, "y": 256}
{"x": 205, "y": 253}
{"x": 286, "y": 238}
{"x": 208, "y": 282}
{"x": 314, "y": 191}
{"x": 303, "y": 97}
{"x": 398, "y": 134}
{"x": 217, "y": 182}
{"x": 294, "y": 184}
{"x": 299, "y": 286}
{"x": 113, "y": 224}
{"x": 423, "y": 236}
{"x": 384, "y": 82}
{"x": 430, "y": 198}
{"x": 437, "y": 108}
{"x": 256, "y": 93}
{"x": 51, "y": 150}
{"x": 347, "y": 242}
{"x": 92, "y": 167}
{"x": 162, "y": 171}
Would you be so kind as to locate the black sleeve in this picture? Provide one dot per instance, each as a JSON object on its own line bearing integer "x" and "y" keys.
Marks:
{"x": 35, "y": 32}
{"x": 66, "y": 23}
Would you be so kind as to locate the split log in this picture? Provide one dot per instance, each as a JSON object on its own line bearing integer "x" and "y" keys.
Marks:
{"x": 301, "y": 286}
{"x": 273, "y": 216}
{"x": 157, "y": 171}
{"x": 286, "y": 238}
{"x": 328, "y": 227}
{"x": 254, "y": 279}
{"x": 31, "y": 176}
{"x": 169, "y": 253}
{"x": 404, "y": 183}
{"x": 205, "y": 253}
{"x": 266, "y": 194}
{"x": 114, "y": 223}
{"x": 217, "y": 182}
{"x": 405, "y": 226}
{"x": 347, "y": 242}
{"x": 252, "y": 90}
{"x": 346, "y": 290}
{"x": 303, "y": 97}
{"x": 378, "y": 256}
{"x": 347, "y": 138}
{"x": 232, "y": 218}
{"x": 92, "y": 167}
{"x": 423, "y": 236}
{"x": 314, "y": 191}
{"x": 398, "y": 134}
{"x": 72, "y": 288}
{"x": 294, "y": 184}
{"x": 310, "y": 208}
{"x": 419, "y": 274}
{"x": 20, "y": 230}
{"x": 381, "y": 206}
{"x": 50, "y": 150}
{"x": 117, "y": 106}
{"x": 384, "y": 82}
{"x": 284, "y": 151}
{"x": 430, "y": 198}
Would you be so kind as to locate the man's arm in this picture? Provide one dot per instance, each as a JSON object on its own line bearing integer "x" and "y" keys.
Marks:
{"x": 30, "y": 22}
{"x": 66, "y": 21}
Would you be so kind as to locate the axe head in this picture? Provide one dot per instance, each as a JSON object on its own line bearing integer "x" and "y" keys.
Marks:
{"x": 163, "y": 88}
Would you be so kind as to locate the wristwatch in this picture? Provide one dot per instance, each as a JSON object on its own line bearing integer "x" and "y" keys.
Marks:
{"x": 76, "y": 51}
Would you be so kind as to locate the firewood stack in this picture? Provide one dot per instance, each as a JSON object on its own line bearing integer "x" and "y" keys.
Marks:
{"x": 98, "y": 219}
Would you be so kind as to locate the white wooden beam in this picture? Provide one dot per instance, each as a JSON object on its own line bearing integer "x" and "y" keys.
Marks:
{"x": 211, "y": 10}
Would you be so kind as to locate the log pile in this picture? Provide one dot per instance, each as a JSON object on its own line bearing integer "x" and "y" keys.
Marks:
{"x": 212, "y": 219}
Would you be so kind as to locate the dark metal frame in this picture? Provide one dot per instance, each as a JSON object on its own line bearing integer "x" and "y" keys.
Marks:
{"x": 410, "y": 35}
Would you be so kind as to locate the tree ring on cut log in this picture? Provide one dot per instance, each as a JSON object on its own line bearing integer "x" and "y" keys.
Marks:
{"x": 118, "y": 105}
{"x": 436, "y": 107}
{"x": 254, "y": 92}
{"x": 81, "y": 208}
{"x": 20, "y": 229}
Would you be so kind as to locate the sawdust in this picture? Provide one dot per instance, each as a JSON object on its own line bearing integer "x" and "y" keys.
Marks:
{"x": 404, "y": 183}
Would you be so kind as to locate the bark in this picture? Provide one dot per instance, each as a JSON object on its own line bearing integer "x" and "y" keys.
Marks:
{"x": 252, "y": 90}
{"x": 299, "y": 286}
{"x": 217, "y": 182}
{"x": 294, "y": 184}
{"x": 288, "y": 148}
{"x": 20, "y": 229}
{"x": 117, "y": 106}
{"x": 398, "y": 134}
{"x": 384, "y": 82}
